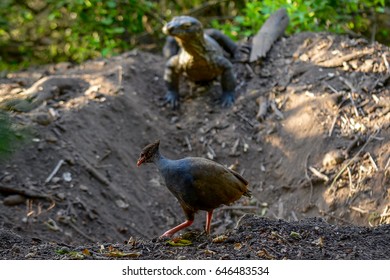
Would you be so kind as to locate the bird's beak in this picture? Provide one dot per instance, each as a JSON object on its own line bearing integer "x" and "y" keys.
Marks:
{"x": 140, "y": 161}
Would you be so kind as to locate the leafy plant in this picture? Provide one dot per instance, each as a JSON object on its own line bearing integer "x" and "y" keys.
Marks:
{"x": 305, "y": 15}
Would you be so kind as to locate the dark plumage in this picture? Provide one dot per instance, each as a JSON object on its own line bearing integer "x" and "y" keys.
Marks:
{"x": 197, "y": 183}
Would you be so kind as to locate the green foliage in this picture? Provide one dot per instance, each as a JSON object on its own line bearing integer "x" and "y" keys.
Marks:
{"x": 306, "y": 15}
{"x": 45, "y": 31}
{"x": 50, "y": 31}
{"x": 8, "y": 134}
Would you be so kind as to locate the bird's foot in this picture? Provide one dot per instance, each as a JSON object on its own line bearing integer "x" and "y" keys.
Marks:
{"x": 172, "y": 98}
{"x": 227, "y": 99}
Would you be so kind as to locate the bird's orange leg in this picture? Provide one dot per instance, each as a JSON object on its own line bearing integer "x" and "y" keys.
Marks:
{"x": 208, "y": 221}
{"x": 172, "y": 231}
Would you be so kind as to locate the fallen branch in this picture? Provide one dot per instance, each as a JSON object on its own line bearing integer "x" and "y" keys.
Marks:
{"x": 339, "y": 61}
{"x": 94, "y": 172}
{"x": 319, "y": 174}
{"x": 332, "y": 186}
{"x": 26, "y": 193}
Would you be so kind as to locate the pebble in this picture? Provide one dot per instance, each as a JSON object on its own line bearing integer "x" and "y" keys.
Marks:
{"x": 333, "y": 158}
{"x": 42, "y": 118}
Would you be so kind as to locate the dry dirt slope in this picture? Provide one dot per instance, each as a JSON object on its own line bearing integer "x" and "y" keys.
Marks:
{"x": 322, "y": 93}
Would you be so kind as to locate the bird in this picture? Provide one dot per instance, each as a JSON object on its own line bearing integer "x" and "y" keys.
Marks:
{"x": 197, "y": 183}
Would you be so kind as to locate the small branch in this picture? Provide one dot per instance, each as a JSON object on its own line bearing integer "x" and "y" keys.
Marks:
{"x": 363, "y": 211}
{"x": 54, "y": 172}
{"x": 353, "y": 89}
{"x": 352, "y": 159}
{"x": 372, "y": 162}
{"x": 333, "y": 123}
{"x": 94, "y": 172}
{"x": 334, "y": 217}
{"x": 26, "y": 193}
{"x": 350, "y": 179}
{"x": 308, "y": 179}
{"x": 386, "y": 62}
{"x": 276, "y": 110}
{"x": 338, "y": 61}
{"x": 188, "y": 143}
{"x": 319, "y": 174}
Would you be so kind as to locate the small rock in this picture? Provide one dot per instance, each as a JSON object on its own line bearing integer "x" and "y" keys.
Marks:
{"x": 15, "y": 199}
{"x": 8, "y": 178}
{"x": 84, "y": 188}
{"x": 121, "y": 204}
{"x": 56, "y": 180}
{"x": 67, "y": 176}
{"x": 42, "y": 118}
{"x": 61, "y": 195}
{"x": 51, "y": 138}
{"x": 333, "y": 158}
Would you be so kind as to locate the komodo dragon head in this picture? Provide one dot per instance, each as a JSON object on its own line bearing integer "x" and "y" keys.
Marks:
{"x": 184, "y": 28}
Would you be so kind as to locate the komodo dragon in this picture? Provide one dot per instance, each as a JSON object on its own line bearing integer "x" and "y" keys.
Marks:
{"x": 200, "y": 57}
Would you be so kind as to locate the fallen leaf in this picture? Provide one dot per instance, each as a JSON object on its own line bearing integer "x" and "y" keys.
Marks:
{"x": 237, "y": 246}
{"x": 209, "y": 252}
{"x": 179, "y": 242}
{"x": 295, "y": 235}
{"x": 319, "y": 242}
{"x": 120, "y": 254}
{"x": 86, "y": 252}
{"x": 219, "y": 239}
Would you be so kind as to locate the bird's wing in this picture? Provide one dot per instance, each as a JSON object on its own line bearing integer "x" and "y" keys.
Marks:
{"x": 214, "y": 184}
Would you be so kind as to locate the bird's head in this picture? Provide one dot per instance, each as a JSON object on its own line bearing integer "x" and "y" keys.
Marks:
{"x": 148, "y": 153}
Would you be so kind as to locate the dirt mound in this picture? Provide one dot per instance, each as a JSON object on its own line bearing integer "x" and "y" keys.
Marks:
{"x": 309, "y": 130}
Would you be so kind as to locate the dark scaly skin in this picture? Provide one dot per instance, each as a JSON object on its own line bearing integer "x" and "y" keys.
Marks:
{"x": 200, "y": 58}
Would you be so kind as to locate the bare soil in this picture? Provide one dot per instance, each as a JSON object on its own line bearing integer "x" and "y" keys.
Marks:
{"x": 310, "y": 130}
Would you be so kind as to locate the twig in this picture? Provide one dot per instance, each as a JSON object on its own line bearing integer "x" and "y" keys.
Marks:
{"x": 308, "y": 179}
{"x": 188, "y": 143}
{"x": 350, "y": 179}
{"x": 352, "y": 159}
{"x": 211, "y": 151}
{"x": 352, "y": 145}
{"x": 372, "y": 162}
{"x": 72, "y": 225}
{"x": 387, "y": 164}
{"x": 276, "y": 110}
{"x": 319, "y": 174}
{"x": 334, "y": 217}
{"x": 338, "y": 61}
{"x": 333, "y": 123}
{"x": 357, "y": 209}
{"x": 250, "y": 70}
{"x": 54, "y": 172}
{"x": 386, "y": 62}
{"x": 235, "y": 146}
{"x": 245, "y": 119}
{"x": 353, "y": 89}
{"x": 27, "y": 193}
{"x": 332, "y": 88}
{"x": 294, "y": 216}
{"x": 95, "y": 173}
